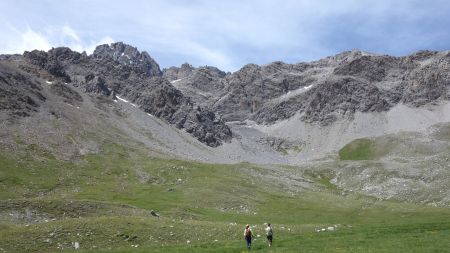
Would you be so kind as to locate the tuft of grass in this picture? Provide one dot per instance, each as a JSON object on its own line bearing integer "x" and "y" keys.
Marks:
{"x": 286, "y": 151}
{"x": 359, "y": 149}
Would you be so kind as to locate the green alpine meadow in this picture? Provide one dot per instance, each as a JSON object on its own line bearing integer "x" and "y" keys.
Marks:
{"x": 224, "y": 126}
{"x": 104, "y": 202}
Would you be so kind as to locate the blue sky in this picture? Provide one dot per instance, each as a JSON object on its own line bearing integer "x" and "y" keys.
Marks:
{"x": 228, "y": 34}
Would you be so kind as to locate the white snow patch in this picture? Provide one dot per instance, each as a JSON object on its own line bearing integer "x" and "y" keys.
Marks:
{"x": 250, "y": 123}
{"x": 123, "y": 54}
{"x": 307, "y": 87}
{"x": 363, "y": 53}
{"x": 426, "y": 62}
{"x": 48, "y": 82}
{"x": 123, "y": 100}
{"x": 150, "y": 115}
{"x": 292, "y": 93}
{"x": 223, "y": 98}
{"x": 174, "y": 81}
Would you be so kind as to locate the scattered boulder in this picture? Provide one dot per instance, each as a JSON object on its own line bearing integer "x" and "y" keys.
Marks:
{"x": 153, "y": 213}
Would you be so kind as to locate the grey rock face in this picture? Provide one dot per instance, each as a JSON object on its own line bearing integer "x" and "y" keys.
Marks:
{"x": 175, "y": 73}
{"x": 126, "y": 56}
{"x": 428, "y": 82}
{"x": 200, "y": 100}
{"x": 120, "y": 69}
{"x": 64, "y": 91}
{"x": 96, "y": 84}
{"x": 371, "y": 68}
{"x": 207, "y": 79}
{"x": 11, "y": 57}
{"x": 239, "y": 95}
{"x": 250, "y": 88}
{"x": 333, "y": 99}
{"x": 159, "y": 98}
{"x": 20, "y": 93}
{"x": 345, "y": 96}
{"x": 326, "y": 90}
{"x": 204, "y": 85}
{"x": 50, "y": 61}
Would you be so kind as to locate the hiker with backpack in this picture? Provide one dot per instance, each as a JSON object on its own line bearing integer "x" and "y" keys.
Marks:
{"x": 248, "y": 234}
{"x": 269, "y": 234}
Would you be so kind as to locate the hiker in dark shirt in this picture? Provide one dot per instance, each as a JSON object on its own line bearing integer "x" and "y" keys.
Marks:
{"x": 248, "y": 234}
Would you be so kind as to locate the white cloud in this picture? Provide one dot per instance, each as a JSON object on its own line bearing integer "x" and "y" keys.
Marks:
{"x": 32, "y": 39}
{"x": 228, "y": 34}
{"x": 91, "y": 47}
{"x": 17, "y": 41}
{"x": 69, "y": 32}
{"x": 206, "y": 54}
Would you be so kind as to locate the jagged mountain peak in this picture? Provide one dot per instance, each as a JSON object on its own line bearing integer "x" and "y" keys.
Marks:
{"x": 187, "y": 70}
{"x": 249, "y": 66}
{"x": 128, "y": 55}
{"x": 354, "y": 81}
{"x": 177, "y": 73}
{"x": 354, "y": 53}
{"x": 186, "y": 66}
{"x": 116, "y": 50}
{"x": 114, "y": 69}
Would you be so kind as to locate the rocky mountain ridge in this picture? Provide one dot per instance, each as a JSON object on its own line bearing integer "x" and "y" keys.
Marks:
{"x": 120, "y": 70}
{"x": 322, "y": 91}
{"x": 201, "y": 100}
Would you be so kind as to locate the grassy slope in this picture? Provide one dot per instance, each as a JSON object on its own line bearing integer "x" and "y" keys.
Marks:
{"x": 205, "y": 204}
{"x": 359, "y": 149}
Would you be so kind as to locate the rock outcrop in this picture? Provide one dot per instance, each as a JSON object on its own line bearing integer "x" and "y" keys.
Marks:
{"x": 120, "y": 69}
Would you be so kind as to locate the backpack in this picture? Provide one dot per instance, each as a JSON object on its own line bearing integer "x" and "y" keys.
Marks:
{"x": 248, "y": 232}
{"x": 269, "y": 232}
